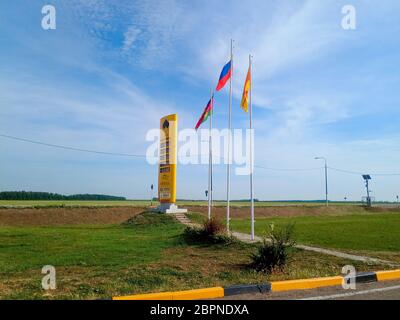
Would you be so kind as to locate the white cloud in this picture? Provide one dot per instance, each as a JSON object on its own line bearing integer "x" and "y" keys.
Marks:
{"x": 130, "y": 37}
{"x": 120, "y": 114}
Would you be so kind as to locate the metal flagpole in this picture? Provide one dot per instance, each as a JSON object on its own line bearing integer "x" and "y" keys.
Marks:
{"x": 251, "y": 152}
{"x": 228, "y": 178}
{"x": 211, "y": 157}
{"x": 209, "y": 161}
{"x": 326, "y": 182}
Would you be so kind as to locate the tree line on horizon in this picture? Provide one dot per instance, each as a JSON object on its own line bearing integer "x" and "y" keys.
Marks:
{"x": 34, "y": 195}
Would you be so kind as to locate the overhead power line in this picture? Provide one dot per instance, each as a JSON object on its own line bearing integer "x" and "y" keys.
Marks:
{"x": 73, "y": 148}
{"x": 287, "y": 169}
{"x": 128, "y": 155}
{"x": 361, "y": 173}
{"x": 144, "y": 156}
{"x": 345, "y": 171}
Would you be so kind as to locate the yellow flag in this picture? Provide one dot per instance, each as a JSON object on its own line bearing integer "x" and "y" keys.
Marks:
{"x": 245, "y": 97}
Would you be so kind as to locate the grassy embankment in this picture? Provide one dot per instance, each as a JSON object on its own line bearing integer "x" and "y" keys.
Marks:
{"x": 150, "y": 254}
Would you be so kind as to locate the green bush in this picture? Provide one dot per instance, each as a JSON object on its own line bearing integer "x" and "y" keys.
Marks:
{"x": 273, "y": 253}
{"x": 211, "y": 232}
{"x": 213, "y": 227}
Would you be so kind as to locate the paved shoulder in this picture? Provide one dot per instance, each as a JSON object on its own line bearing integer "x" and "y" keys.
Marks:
{"x": 385, "y": 290}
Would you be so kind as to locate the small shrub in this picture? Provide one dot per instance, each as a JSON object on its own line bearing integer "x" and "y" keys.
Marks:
{"x": 211, "y": 232}
{"x": 213, "y": 227}
{"x": 273, "y": 253}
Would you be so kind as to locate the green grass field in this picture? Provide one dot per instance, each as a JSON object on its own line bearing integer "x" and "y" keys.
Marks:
{"x": 150, "y": 255}
{"x": 104, "y": 245}
{"x": 371, "y": 232}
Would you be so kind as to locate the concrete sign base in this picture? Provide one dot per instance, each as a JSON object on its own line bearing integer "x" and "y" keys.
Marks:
{"x": 169, "y": 208}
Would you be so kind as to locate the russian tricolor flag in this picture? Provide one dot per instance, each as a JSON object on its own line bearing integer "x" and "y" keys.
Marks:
{"x": 225, "y": 75}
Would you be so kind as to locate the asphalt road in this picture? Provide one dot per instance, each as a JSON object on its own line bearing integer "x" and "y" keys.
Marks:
{"x": 385, "y": 290}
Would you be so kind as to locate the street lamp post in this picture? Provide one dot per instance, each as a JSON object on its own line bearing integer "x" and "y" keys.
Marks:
{"x": 326, "y": 178}
{"x": 367, "y": 177}
{"x": 151, "y": 200}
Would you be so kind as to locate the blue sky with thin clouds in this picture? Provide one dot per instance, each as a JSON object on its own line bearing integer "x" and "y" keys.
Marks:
{"x": 111, "y": 69}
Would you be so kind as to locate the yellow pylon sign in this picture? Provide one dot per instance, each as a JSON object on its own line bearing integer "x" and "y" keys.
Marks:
{"x": 168, "y": 159}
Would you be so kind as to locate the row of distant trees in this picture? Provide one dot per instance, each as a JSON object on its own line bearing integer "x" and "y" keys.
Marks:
{"x": 32, "y": 195}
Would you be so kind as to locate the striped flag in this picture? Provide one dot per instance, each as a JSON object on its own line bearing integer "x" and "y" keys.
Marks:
{"x": 206, "y": 113}
{"x": 245, "y": 97}
{"x": 224, "y": 76}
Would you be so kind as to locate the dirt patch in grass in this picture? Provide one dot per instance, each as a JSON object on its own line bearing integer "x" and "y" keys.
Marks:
{"x": 291, "y": 211}
{"x": 66, "y": 216}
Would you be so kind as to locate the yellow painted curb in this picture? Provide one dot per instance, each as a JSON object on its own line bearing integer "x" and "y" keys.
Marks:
{"x": 219, "y": 292}
{"x": 388, "y": 275}
{"x": 147, "y": 296}
{"x": 206, "y": 293}
{"x": 306, "y": 283}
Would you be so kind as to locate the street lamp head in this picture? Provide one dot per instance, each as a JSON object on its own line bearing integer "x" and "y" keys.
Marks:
{"x": 321, "y": 158}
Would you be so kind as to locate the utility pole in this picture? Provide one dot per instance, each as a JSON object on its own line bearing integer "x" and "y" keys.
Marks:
{"x": 326, "y": 178}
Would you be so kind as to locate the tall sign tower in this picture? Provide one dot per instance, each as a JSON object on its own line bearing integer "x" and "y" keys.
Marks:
{"x": 167, "y": 165}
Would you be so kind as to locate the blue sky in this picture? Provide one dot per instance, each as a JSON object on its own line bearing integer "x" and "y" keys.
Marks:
{"x": 111, "y": 69}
